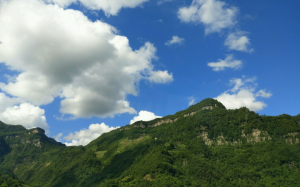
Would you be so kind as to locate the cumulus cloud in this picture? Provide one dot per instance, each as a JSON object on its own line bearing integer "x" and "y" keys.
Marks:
{"x": 110, "y": 7}
{"x": 26, "y": 115}
{"x": 85, "y": 136}
{"x": 229, "y": 62}
{"x": 248, "y": 83}
{"x": 238, "y": 41}
{"x": 175, "y": 40}
{"x": 6, "y": 102}
{"x": 16, "y": 111}
{"x": 243, "y": 94}
{"x": 216, "y": 15}
{"x": 61, "y": 53}
{"x": 161, "y": 77}
{"x": 213, "y": 14}
{"x": 144, "y": 116}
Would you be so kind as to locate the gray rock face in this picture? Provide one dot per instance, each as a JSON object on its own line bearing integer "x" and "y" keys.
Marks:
{"x": 204, "y": 108}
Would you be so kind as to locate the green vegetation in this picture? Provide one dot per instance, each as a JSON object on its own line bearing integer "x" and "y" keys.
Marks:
{"x": 11, "y": 181}
{"x": 212, "y": 147}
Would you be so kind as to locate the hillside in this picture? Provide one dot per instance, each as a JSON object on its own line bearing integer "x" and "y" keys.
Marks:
{"x": 205, "y": 145}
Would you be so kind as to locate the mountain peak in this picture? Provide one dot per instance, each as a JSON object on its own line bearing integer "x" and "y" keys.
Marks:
{"x": 207, "y": 102}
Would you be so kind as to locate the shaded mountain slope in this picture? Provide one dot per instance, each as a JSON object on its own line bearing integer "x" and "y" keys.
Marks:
{"x": 205, "y": 145}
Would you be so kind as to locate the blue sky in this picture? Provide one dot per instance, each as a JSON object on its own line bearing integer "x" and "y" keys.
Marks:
{"x": 79, "y": 68}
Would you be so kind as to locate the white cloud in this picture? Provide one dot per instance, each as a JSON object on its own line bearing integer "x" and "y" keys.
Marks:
{"x": 32, "y": 86}
{"x": 144, "y": 116}
{"x": 62, "y": 53}
{"x": 243, "y": 94}
{"x": 25, "y": 114}
{"x": 110, "y": 7}
{"x": 248, "y": 83}
{"x": 85, "y": 136}
{"x": 16, "y": 111}
{"x": 191, "y": 100}
{"x": 238, "y": 41}
{"x": 242, "y": 98}
{"x": 6, "y": 102}
{"x": 263, "y": 93}
{"x": 175, "y": 40}
{"x": 214, "y": 14}
{"x": 161, "y": 77}
{"x": 58, "y": 137}
{"x": 229, "y": 62}
{"x": 159, "y": 2}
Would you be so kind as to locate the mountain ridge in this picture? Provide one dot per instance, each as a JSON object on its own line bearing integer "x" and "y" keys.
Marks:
{"x": 208, "y": 104}
{"x": 212, "y": 147}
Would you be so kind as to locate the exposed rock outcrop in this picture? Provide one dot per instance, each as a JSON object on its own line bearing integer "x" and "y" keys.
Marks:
{"x": 163, "y": 121}
{"x": 219, "y": 141}
{"x": 141, "y": 125}
{"x": 291, "y": 138}
{"x": 35, "y": 142}
{"x": 255, "y": 137}
{"x": 204, "y": 108}
{"x": 207, "y": 141}
{"x": 11, "y": 136}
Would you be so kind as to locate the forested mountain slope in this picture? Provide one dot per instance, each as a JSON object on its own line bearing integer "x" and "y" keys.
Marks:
{"x": 205, "y": 145}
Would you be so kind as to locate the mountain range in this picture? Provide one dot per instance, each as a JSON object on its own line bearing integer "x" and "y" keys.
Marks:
{"x": 204, "y": 145}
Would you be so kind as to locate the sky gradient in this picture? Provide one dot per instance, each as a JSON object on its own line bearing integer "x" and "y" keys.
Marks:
{"x": 79, "y": 68}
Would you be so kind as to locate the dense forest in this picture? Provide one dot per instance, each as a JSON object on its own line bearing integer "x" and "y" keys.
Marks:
{"x": 205, "y": 145}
